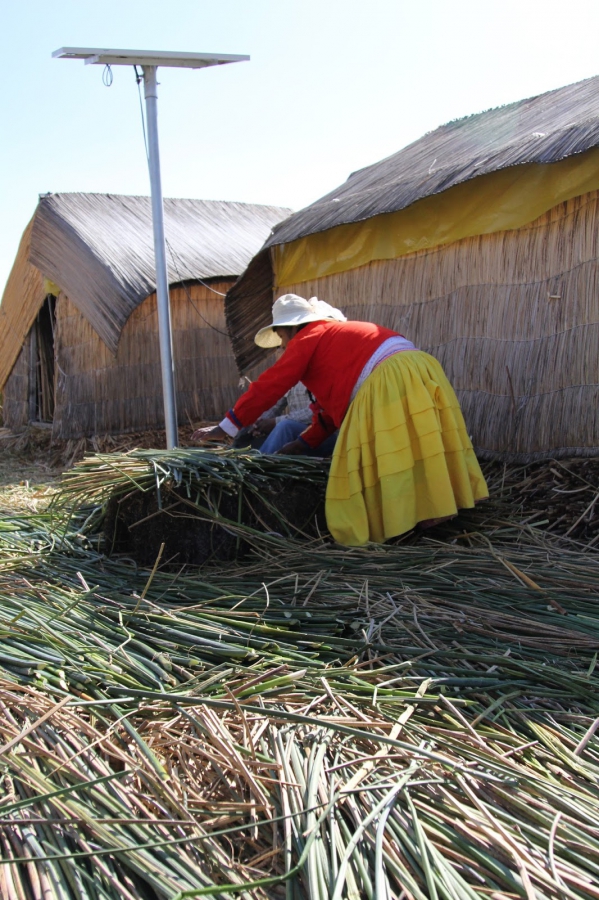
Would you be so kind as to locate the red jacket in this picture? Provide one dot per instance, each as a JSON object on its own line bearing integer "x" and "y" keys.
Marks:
{"x": 328, "y": 358}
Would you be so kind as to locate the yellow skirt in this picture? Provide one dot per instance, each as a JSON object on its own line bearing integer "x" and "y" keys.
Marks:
{"x": 403, "y": 454}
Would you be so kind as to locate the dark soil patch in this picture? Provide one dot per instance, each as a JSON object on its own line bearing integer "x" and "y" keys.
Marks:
{"x": 136, "y": 525}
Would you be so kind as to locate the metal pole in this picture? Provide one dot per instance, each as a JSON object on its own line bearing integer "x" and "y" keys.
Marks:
{"x": 164, "y": 311}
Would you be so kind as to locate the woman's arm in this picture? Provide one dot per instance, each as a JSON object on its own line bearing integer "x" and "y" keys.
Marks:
{"x": 273, "y": 383}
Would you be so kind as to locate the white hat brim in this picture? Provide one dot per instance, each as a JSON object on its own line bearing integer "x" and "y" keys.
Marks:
{"x": 267, "y": 338}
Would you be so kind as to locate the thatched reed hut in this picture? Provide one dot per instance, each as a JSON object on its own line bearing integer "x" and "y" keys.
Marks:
{"x": 78, "y": 321}
{"x": 480, "y": 242}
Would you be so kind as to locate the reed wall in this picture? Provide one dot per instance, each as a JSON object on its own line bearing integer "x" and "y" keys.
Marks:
{"x": 23, "y": 296}
{"x": 514, "y": 319}
{"x": 15, "y": 408}
{"x": 101, "y": 393}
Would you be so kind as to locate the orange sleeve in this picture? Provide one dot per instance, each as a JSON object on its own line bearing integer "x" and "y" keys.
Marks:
{"x": 276, "y": 381}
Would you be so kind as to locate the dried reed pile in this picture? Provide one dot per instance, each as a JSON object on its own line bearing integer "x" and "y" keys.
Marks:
{"x": 410, "y": 721}
{"x": 316, "y": 795}
{"x": 559, "y": 496}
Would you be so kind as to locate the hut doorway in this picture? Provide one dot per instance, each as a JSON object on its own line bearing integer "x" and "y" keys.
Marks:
{"x": 41, "y": 363}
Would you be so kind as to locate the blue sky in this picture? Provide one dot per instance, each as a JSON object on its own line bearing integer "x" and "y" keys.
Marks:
{"x": 333, "y": 85}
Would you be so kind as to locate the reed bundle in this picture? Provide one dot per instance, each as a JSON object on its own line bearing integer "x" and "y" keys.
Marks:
{"x": 100, "y": 476}
{"x": 413, "y": 721}
{"x": 183, "y": 499}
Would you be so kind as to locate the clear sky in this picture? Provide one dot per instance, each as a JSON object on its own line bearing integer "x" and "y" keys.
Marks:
{"x": 333, "y": 85}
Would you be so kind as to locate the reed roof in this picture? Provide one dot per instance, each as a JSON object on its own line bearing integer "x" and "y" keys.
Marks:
{"x": 99, "y": 249}
{"x": 542, "y": 129}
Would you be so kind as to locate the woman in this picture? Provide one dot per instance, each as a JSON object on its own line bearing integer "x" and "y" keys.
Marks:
{"x": 403, "y": 454}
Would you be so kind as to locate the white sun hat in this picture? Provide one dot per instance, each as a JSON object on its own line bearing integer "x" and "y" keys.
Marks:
{"x": 290, "y": 310}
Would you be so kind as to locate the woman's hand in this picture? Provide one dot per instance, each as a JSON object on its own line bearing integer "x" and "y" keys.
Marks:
{"x": 210, "y": 433}
{"x": 264, "y": 426}
{"x": 293, "y": 448}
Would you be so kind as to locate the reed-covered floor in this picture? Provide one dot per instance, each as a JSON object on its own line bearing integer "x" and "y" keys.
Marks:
{"x": 409, "y": 721}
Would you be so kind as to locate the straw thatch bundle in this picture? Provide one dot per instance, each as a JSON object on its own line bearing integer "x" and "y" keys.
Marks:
{"x": 78, "y": 323}
{"x": 479, "y": 242}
